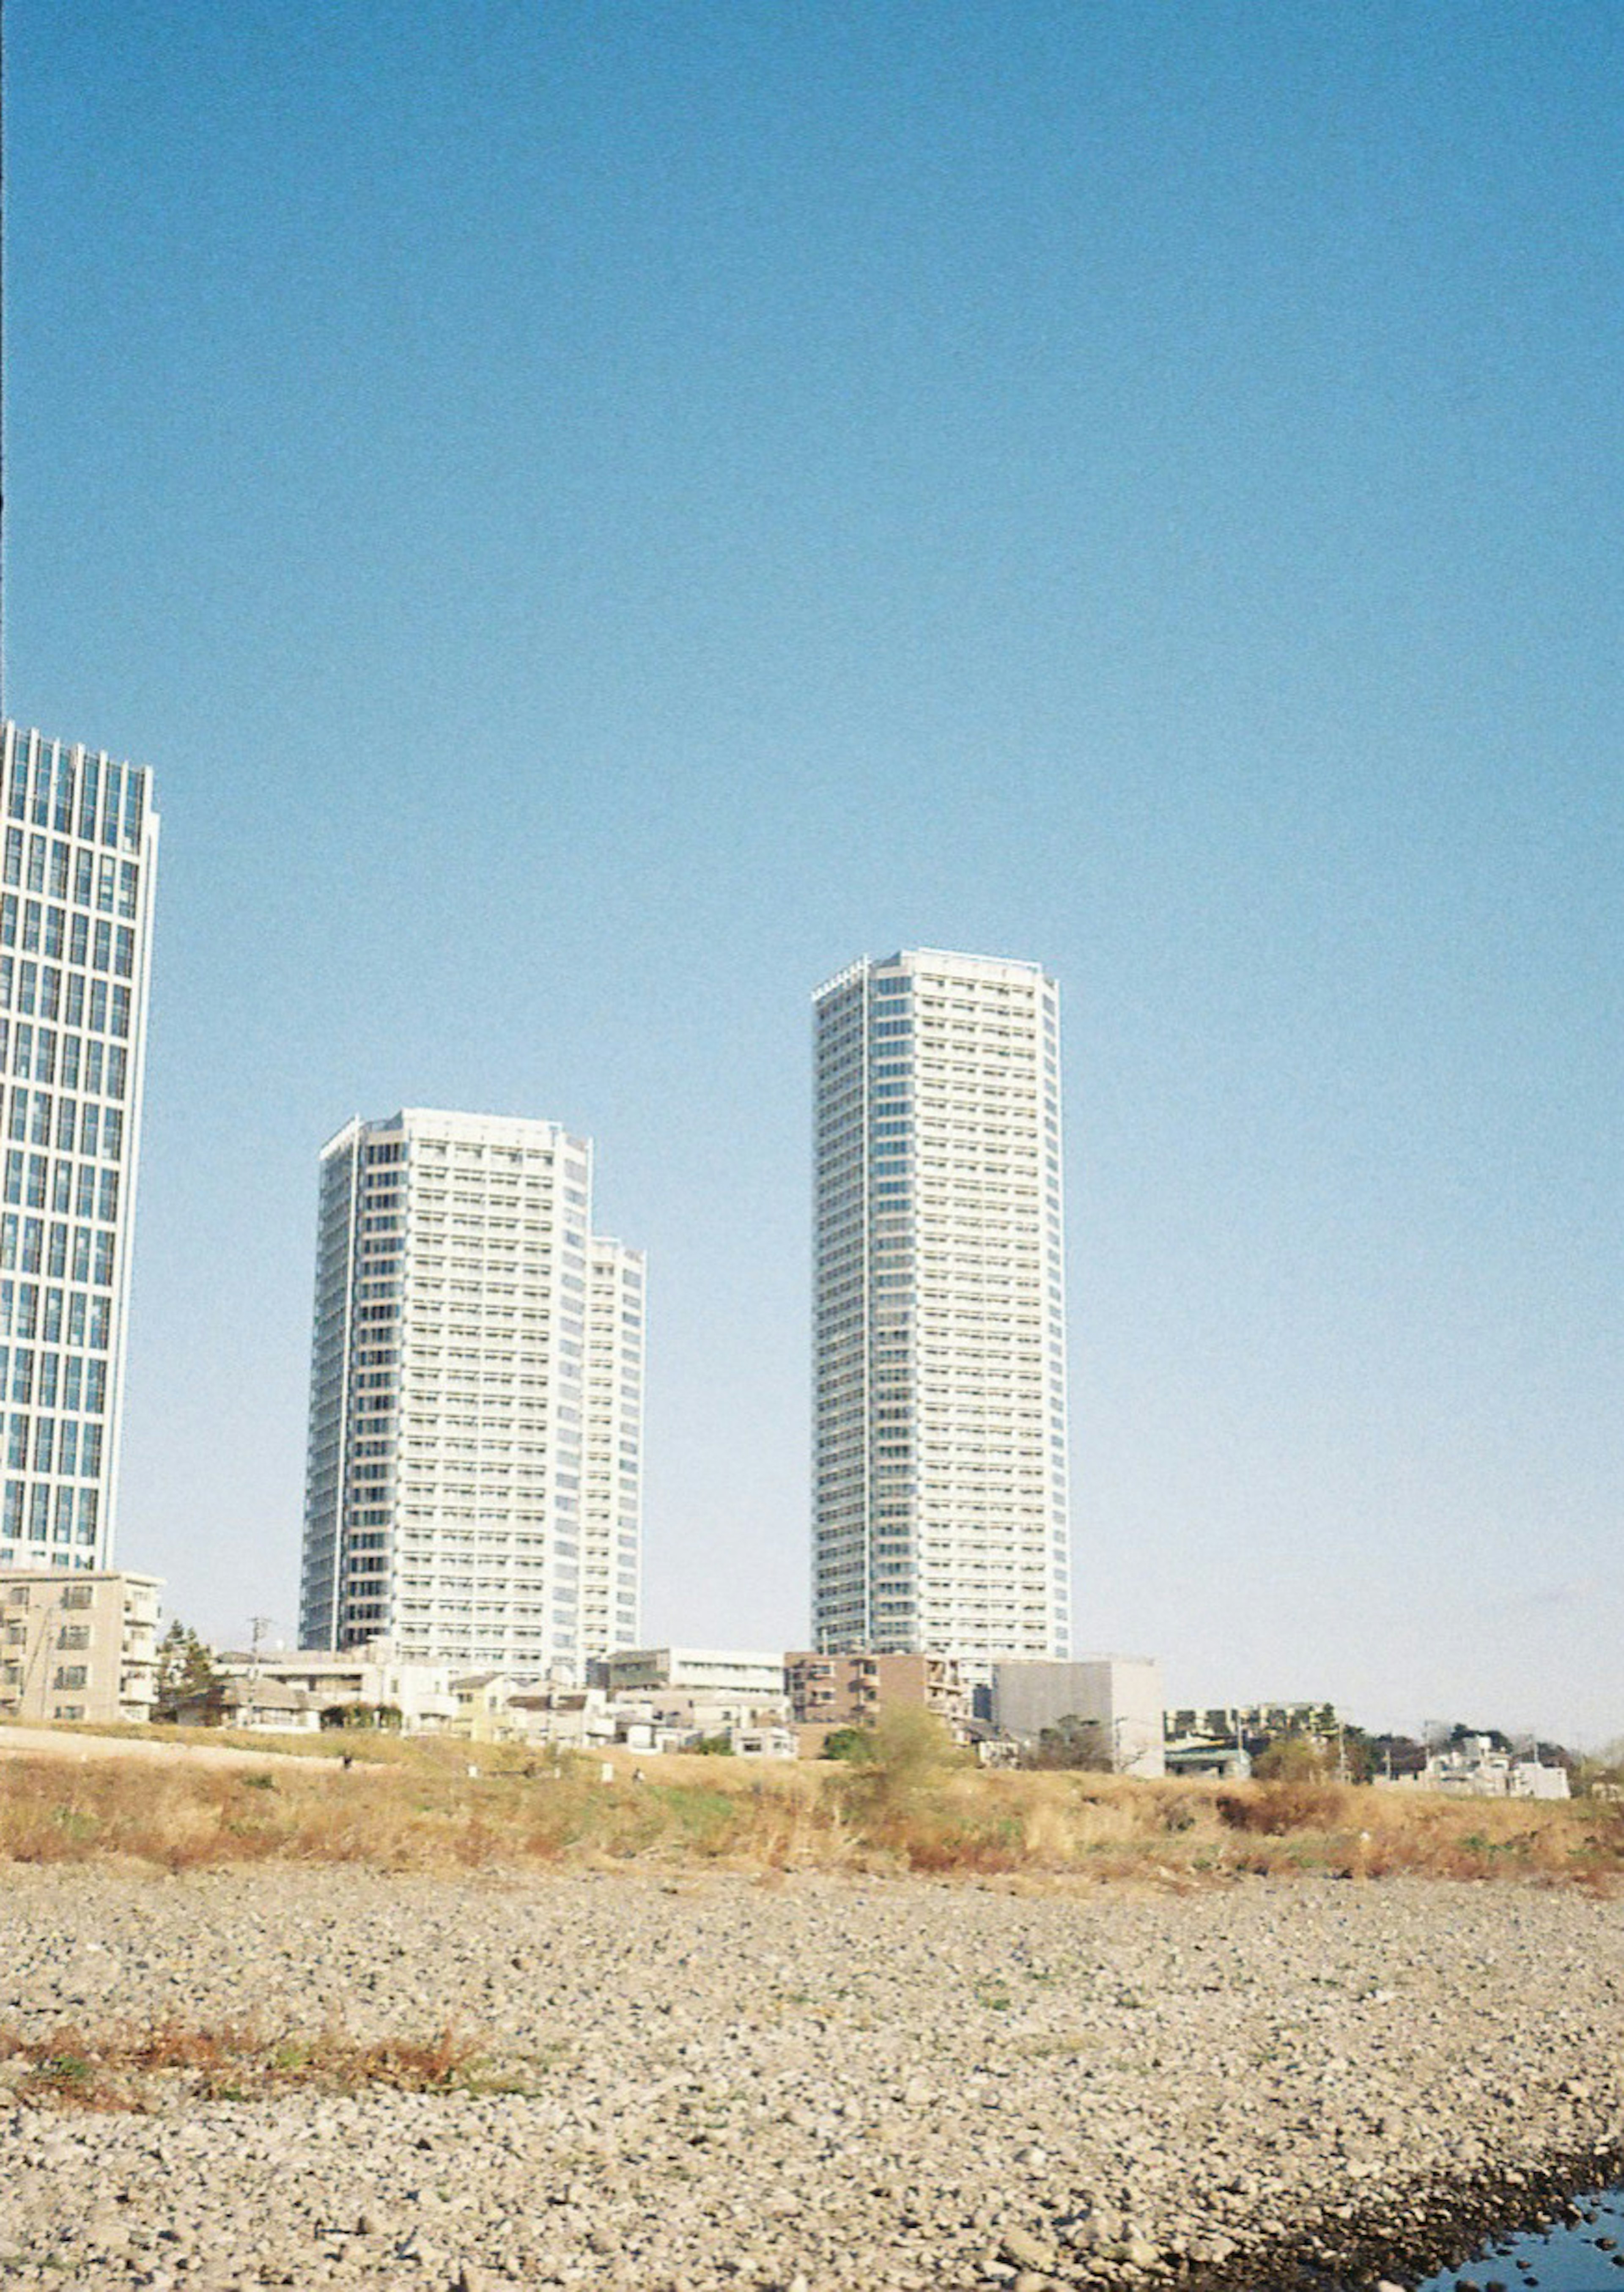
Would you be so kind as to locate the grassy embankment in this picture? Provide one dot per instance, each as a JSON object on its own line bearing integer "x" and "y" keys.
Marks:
{"x": 423, "y": 1808}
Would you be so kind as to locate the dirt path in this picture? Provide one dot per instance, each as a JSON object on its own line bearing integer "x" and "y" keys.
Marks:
{"x": 52, "y": 1743}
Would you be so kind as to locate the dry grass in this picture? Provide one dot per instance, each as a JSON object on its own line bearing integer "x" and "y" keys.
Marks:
{"x": 425, "y": 1811}
{"x": 122, "y": 2067}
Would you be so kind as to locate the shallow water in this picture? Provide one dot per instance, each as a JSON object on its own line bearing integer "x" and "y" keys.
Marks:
{"x": 1556, "y": 2260}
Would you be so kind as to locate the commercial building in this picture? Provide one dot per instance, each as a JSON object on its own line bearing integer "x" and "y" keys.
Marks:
{"x": 76, "y": 929}
{"x": 1118, "y": 1697}
{"x": 79, "y": 1645}
{"x": 940, "y": 1519}
{"x": 476, "y": 1402}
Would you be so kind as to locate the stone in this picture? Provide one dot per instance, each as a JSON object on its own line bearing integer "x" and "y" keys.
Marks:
{"x": 1022, "y": 2249}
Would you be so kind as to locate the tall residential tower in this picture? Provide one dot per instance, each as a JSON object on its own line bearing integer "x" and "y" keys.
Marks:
{"x": 474, "y": 1489}
{"x": 76, "y": 928}
{"x": 939, "y": 1506}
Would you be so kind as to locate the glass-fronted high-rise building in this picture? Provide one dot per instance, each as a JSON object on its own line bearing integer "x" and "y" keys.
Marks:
{"x": 940, "y": 1504}
{"x": 76, "y": 928}
{"x": 473, "y": 1485}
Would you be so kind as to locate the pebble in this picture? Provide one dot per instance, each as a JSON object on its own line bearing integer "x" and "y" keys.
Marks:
{"x": 832, "y": 2087}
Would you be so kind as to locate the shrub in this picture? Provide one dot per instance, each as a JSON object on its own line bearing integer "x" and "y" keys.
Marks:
{"x": 1276, "y": 1809}
{"x": 1295, "y": 1759}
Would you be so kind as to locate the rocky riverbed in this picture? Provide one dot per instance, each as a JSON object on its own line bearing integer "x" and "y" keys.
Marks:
{"x": 820, "y": 2085}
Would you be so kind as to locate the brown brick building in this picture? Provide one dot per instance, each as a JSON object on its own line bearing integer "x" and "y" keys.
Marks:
{"x": 852, "y": 1691}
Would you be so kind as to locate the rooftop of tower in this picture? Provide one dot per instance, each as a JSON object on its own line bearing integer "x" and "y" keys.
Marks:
{"x": 937, "y": 959}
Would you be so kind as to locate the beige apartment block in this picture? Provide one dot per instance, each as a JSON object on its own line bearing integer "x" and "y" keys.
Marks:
{"x": 77, "y": 1645}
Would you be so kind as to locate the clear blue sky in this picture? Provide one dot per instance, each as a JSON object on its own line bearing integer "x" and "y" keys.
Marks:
{"x": 599, "y": 515}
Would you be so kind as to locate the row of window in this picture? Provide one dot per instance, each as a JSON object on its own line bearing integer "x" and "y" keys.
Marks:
{"x": 38, "y": 1118}
{"x": 48, "y": 1380}
{"x": 28, "y": 1245}
{"x": 70, "y": 1513}
{"x": 28, "y": 1311}
{"x": 60, "y": 935}
{"x": 107, "y": 799}
{"x": 42, "y": 990}
{"x": 70, "y": 1449}
{"x": 99, "y": 1068}
{"x": 54, "y": 869}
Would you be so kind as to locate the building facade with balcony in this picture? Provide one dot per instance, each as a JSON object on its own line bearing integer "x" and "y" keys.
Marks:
{"x": 940, "y": 1516}
{"x": 474, "y": 1468}
{"x": 853, "y": 1689}
{"x": 78, "y": 1646}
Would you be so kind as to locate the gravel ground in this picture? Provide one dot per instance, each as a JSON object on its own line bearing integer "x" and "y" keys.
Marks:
{"x": 829, "y": 2083}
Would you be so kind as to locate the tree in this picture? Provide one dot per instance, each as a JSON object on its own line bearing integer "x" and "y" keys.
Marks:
{"x": 1295, "y": 1759}
{"x": 1395, "y": 1755}
{"x": 362, "y": 1714}
{"x": 1080, "y": 1745}
{"x": 1358, "y": 1754}
{"x": 185, "y": 1665}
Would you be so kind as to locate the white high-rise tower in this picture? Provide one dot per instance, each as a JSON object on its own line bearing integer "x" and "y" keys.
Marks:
{"x": 76, "y": 927}
{"x": 939, "y": 1506}
{"x": 474, "y": 1476}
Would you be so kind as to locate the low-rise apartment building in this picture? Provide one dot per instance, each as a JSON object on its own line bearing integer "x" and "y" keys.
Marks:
{"x": 78, "y": 1645}
{"x": 852, "y": 1691}
{"x": 1255, "y": 1724}
{"x": 694, "y": 1671}
{"x": 372, "y": 1679}
{"x": 1476, "y": 1767}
